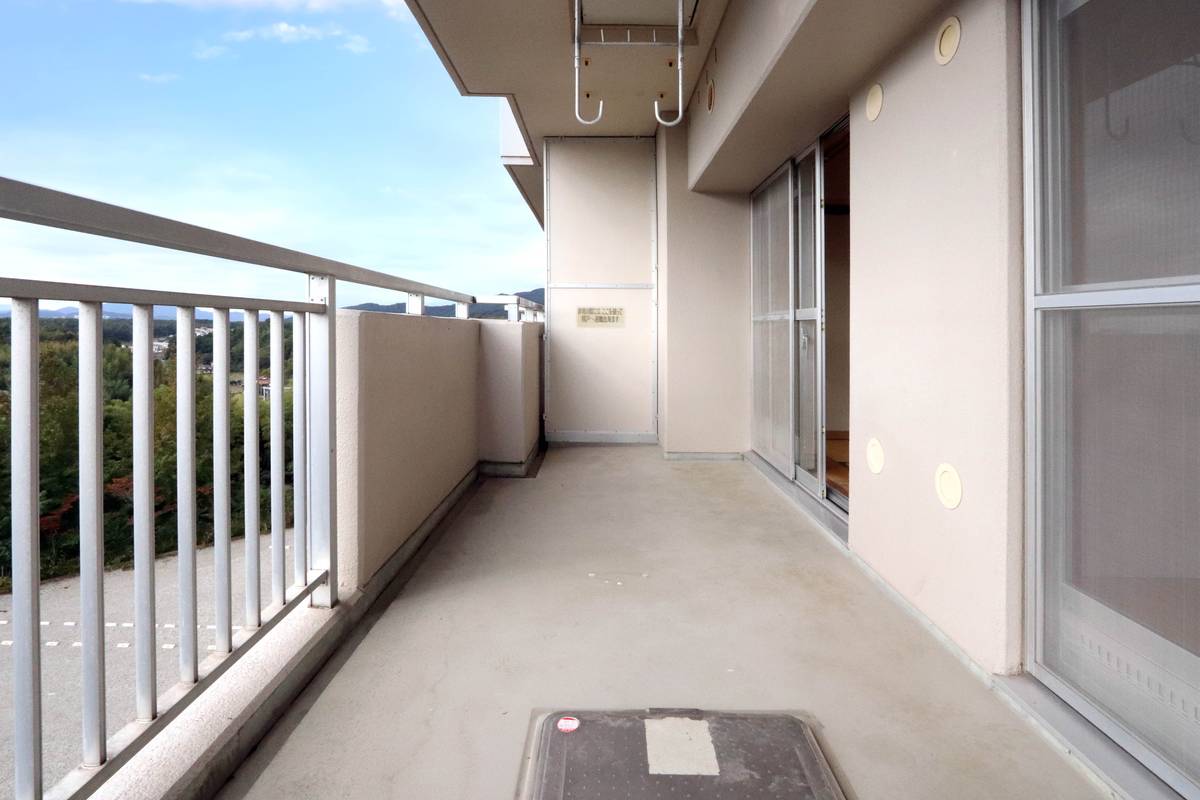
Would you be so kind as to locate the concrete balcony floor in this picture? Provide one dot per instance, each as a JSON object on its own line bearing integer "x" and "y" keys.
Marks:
{"x": 616, "y": 579}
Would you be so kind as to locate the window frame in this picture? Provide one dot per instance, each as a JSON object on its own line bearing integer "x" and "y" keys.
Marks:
{"x": 1042, "y": 162}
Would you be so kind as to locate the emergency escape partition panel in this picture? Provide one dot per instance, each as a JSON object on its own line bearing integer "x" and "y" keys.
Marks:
{"x": 601, "y": 354}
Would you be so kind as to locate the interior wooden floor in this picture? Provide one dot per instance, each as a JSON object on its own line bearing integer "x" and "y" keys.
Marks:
{"x": 837, "y": 461}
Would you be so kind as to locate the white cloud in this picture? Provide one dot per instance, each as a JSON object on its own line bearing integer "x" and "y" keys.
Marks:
{"x": 159, "y": 77}
{"x": 395, "y": 8}
{"x": 398, "y": 9}
{"x": 356, "y": 44}
{"x": 205, "y": 52}
{"x": 287, "y": 33}
{"x": 252, "y": 5}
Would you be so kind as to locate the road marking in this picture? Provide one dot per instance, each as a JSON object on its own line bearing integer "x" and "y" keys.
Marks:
{"x": 45, "y": 622}
{"x": 168, "y": 624}
{"x": 212, "y": 647}
{"x": 6, "y": 643}
{"x": 69, "y": 623}
{"x": 211, "y": 627}
{"x": 3, "y": 622}
{"x": 51, "y": 644}
{"x": 168, "y": 647}
{"x": 126, "y": 624}
{"x": 110, "y": 624}
{"x": 122, "y": 644}
{"x": 680, "y": 746}
{"x": 76, "y": 644}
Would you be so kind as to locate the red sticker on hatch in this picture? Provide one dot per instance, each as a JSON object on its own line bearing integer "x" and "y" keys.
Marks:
{"x": 568, "y": 724}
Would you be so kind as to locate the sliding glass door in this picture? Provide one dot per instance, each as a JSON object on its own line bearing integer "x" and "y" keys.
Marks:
{"x": 771, "y": 290}
{"x": 1114, "y": 358}
{"x": 810, "y": 452}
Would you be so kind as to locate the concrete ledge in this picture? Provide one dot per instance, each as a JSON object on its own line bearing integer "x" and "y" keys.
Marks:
{"x": 601, "y": 437}
{"x": 682, "y": 456}
{"x": 504, "y": 469}
{"x": 195, "y": 755}
{"x": 1067, "y": 730}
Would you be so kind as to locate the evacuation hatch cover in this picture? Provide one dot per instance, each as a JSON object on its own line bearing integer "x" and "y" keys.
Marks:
{"x": 677, "y": 754}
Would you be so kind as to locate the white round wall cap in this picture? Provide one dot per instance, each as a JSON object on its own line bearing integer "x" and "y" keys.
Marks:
{"x": 948, "y": 485}
{"x": 875, "y": 457}
{"x": 874, "y": 102}
{"x": 948, "y": 38}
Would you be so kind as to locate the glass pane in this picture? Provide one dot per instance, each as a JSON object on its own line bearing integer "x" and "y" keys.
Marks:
{"x": 770, "y": 256}
{"x": 806, "y": 245}
{"x": 1121, "y": 517}
{"x": 1121, "y": 117}
{"x": 807, "y": 426}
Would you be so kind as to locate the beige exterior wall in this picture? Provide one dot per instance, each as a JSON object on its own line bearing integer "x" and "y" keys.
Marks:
{"x": 509, "y": 389}
{"x": 936, "y": 333}
{"x": 407, "y": 428}
{"x": 600, "y": 229}
{"x": 752, "y": 37}
{"x": 704, "y": 303}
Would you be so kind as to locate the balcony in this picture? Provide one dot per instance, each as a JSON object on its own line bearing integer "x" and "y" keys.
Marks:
{"x": 450, "y": 581}
{"x": 615, "y": 579}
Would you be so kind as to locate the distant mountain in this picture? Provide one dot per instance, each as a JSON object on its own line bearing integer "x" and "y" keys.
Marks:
{"x": 478, "y": 310}
{"x": 125, "y": 310}
{"x": 115, "y": 311}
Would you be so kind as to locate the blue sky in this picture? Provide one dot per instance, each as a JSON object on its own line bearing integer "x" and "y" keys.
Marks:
{"x": 328, "y": 126}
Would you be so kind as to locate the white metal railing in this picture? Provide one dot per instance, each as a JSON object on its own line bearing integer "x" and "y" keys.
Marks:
{"x": 519, "y": 309}
{"x": 313, "y": 467}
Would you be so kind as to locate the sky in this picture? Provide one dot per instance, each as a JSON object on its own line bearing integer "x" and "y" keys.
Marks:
{"x": 327, "y": 126}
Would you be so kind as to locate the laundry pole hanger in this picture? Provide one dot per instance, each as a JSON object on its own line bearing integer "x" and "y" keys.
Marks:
{"x": 600, "y": 111}
{"x": 678, "y": 68}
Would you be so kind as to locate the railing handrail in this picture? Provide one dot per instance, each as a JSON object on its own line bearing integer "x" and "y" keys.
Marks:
{"x": 510, "y": 300}
{"x": 26, "y": 202}
{"x": 93, "y": 293}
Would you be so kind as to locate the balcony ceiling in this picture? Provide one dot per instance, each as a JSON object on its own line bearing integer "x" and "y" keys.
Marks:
{"x": 523, "y": 49}
{"x": 636, "y": 12}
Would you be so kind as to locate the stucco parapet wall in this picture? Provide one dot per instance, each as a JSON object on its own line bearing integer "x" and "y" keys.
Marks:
{"x": 421, "y": 401}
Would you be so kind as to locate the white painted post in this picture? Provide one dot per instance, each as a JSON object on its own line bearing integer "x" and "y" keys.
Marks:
{"x": 415, "y": 305}
{"x": 185, "y": 492}
{"x": 323, "y": 437}
{"x": 278, "y": 519}
{"x": 299, "y": 450}
{"x": 144, "y": 635}
{"x": 26, "y": 554}
{"x": 91, "y": 531}
{"x": 253, "y": 604}
{"x": 462, "y": 310}
{"x": 222, "y": 485}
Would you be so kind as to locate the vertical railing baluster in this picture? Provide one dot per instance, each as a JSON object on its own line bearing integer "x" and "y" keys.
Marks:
{"x": 299, "y": 451}
{"x": 26, "y": 553}
{"x": 323, "y": 437}
{"x": 415, "y": 304}
{"x": 462, "y": 310}
{"x": 222, "y": 579}
{"x": 250, "y": 508}
{"x": 91, "y": 530}
{"x": 185, "y": 482}
{"x": 143, "y": 513}
{"x": 278, "y": 517}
